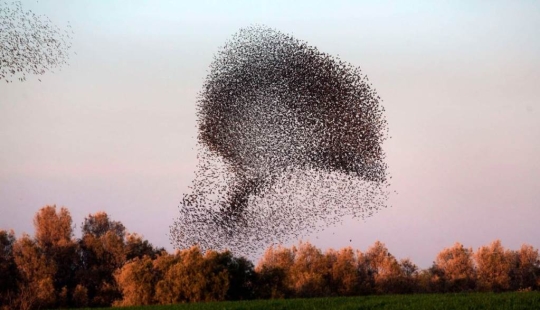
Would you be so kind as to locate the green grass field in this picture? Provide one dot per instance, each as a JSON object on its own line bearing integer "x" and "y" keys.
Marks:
{"x": 528, "y": 301}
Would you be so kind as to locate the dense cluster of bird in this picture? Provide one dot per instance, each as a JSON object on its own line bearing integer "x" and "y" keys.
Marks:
{"x": 289, "y": 142}
{"x": 30, "y": 43}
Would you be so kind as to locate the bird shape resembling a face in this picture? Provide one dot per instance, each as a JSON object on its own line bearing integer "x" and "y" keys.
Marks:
{"x": 272, "y": 102}
{"x": 272, "y": 105}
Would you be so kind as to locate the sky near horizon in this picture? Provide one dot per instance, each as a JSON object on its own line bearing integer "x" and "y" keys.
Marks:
{"x": 115, "y": 131}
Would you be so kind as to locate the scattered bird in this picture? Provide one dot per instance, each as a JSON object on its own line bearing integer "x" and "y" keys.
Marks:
{"x": 29, "y": 43}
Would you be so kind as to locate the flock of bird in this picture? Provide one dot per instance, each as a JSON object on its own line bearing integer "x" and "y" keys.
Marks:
{"x": 30, "y": 43}
{"x": 289, "y": 142}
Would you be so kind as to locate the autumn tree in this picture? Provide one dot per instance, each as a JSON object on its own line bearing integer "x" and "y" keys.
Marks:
{"x": 80, "y": 296}
{"x": 54, "y": 236}
{"x": 493, "y": 264}
{"x": 383, "y": 268}
{"x": 102, "y": 251}
{"x": 365, "y": 275}
{"x": 163, "y": 262}
{"x": 161, "y": 266}
{"x": 456, "y": 267}
{"x": 408, "y": 281}
{"x": 99, "y": 224}
{"x": 309, "y": 273}
{"x": 217, "y": 276}
{"x": 137, "y": 247}
{"x": 53, "y": 228}
{"x": 187, "y": 276}
{"x": 36, "y": 286}
{"x": 273, "y": 273}
{"x": 525, "y": 268}
{"x": 191, "y": 278}
{"x": 8, "y": 269}
{"x": 241, "y": 276}
{"x": 429, "y": 280}
{"x": 343, "y": 269}
{"x": 136, "y": 281}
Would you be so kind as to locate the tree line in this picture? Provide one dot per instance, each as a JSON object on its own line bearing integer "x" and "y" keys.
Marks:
{"x": 110, "y": 266}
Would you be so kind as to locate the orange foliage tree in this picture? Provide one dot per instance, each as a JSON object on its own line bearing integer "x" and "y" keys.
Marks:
{"x": 136, "y": 280}
{"x": 54, "y": 236}
{"x": 192, "y": 277}
{"x": 274, "y": 270}
{"x": 36, "y": 287}
{"x": 456, "y": 267}
{"x": 344, "y": 277}
{"x": 309, "y": 273}
{"x": 493, "y": 265}
{"x": 383, "y": 268}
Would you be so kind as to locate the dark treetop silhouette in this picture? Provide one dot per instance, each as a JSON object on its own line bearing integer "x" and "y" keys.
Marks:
{"x": 289, "y": 142}
{"x": 30, "y": 43}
